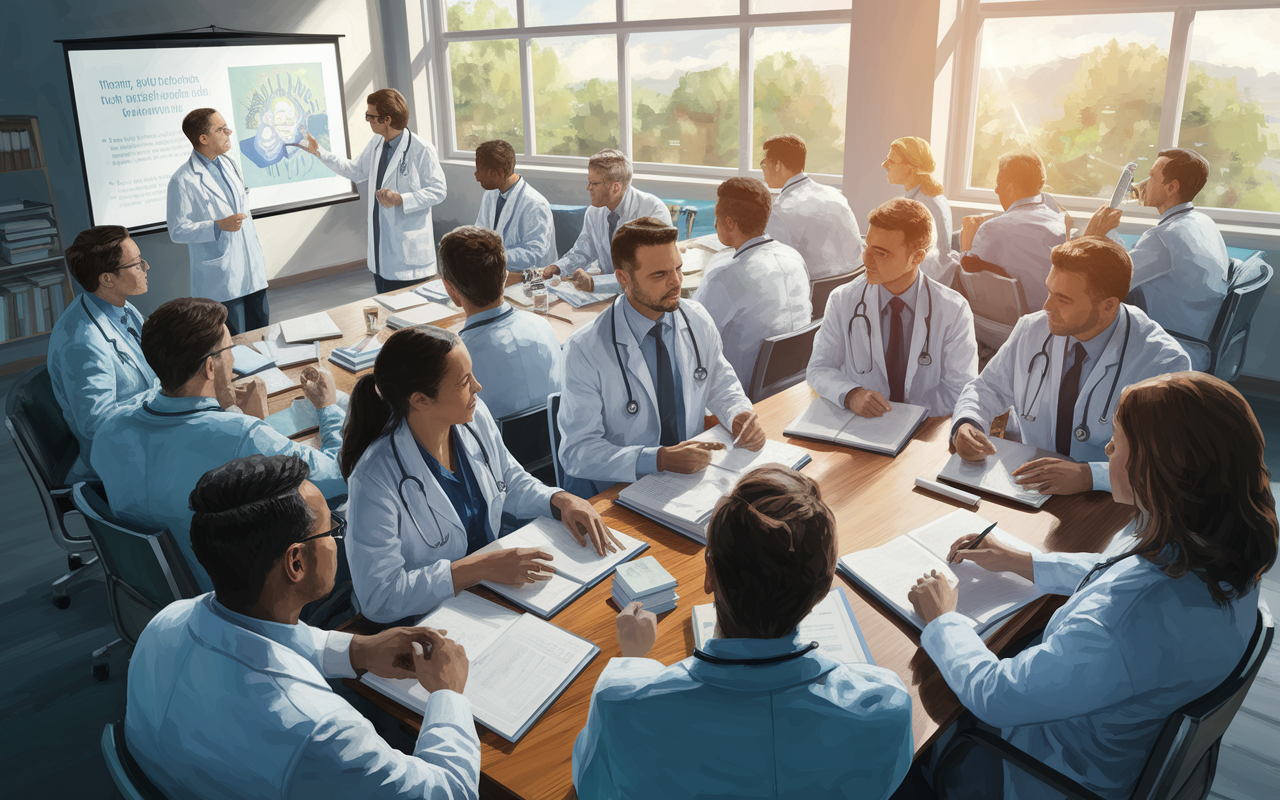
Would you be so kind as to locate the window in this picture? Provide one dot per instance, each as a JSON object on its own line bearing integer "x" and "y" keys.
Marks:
{"x": 544, "y": 74}
{"x": 1091, "y": 92}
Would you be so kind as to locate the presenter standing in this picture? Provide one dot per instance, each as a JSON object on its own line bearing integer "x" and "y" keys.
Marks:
{"x": 208, "y": 210}
{"x": 408, "y": 181}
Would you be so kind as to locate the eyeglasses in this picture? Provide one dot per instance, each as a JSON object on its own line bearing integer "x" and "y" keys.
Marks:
{"x": 223, "y": 129}
{"x": 594, "y": 184}
{"x": 338, "y": 531}
{"x": 371, "y": 117}
{"x": 216, "y": 352}
{"x": 142, "y": 262}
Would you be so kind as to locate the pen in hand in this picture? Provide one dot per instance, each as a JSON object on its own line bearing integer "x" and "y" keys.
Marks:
{"x": 978, "y": 541}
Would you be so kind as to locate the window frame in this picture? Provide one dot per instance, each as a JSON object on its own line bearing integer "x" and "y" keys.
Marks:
{"x": 960, "y": 132}
{"x": 444, "y": 123}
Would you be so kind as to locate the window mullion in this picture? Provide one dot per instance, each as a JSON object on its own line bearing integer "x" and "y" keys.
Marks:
{"x": 624, "y": 92}
{"x": 1175, "y": 81}
{"x": 526, "y": 102}
{"x": 746, "y": 103}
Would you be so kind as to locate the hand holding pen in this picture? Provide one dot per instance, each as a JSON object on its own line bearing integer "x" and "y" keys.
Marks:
{"x": 992, "y": 554}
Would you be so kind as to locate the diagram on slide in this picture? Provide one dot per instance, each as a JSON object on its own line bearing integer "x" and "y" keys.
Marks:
{"x": 280, "y": 104}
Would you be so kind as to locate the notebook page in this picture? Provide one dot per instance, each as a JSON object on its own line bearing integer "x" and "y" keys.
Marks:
{"x": 689, "y": 497}
{"x": 571, "y": 560}
{"x": 823, "y": 419}
{"x": 883, "y": 431}
{"x": 471, "y": 621}
{"x": 995, "y": 474}
{"x": 310, "y": 328}
{"x": 515, "y": 293}
{"x": 828, "y": 624}
{"x": 892, "y": 569}
{"x": 425, "y": 314}
{"x": 741, "y": 460}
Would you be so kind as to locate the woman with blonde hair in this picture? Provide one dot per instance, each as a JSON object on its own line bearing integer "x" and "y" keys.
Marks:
{"x": 909, "y": 165}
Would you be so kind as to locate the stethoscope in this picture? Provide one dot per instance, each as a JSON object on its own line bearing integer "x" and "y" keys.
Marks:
{"x": 765, "y": 240}
{"x": 860, "y": 312}
{"x": 794, "y": 185}
{"x": 405, "y": 477}
{"x": 699, "y": 374}
{"x": 753, "y": 662}
{"x": 120, "y": 354}
{"x": 184, "y": 413}
{"x": 403, "y": 168}
{"x": 1081, "y": 431}
{"x": 471, "y": 326}
{"x": 1101, "y": 567}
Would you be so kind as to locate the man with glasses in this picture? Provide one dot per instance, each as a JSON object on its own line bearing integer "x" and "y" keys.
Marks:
{"x": 95, "y": 349}
{"x": 208, "y": 210}
{"x": 227, "y": 691}
{"x": 154, "y": 450}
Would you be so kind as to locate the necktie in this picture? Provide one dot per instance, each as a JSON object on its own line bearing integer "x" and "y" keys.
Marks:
{"x": 1067, "y": 394}
{"x": 124, "y": 320}
{"x": 895, "y": 354}
{"x": 377, "y": 207}
{"x": 497, "y": 211}
{"x": 666, "y": 391}
{"x": 613, "y": 224}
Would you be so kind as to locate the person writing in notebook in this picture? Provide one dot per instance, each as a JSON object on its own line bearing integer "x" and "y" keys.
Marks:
{"x": 1156, "y": 621}
{"x": 760, "y": 711}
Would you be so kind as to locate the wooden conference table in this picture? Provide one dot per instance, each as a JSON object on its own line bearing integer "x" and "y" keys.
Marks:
{"x": 874, "y": 500}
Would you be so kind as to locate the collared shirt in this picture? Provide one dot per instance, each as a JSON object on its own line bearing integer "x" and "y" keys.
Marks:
{"x": 478, "y": 319}
{"x": 297, "y": 638}
{"x": 391, "y": 148}
{"x": 122, "y": 318}
{"x": 502, "y": 201}
{"x": 799, "y": 177}
{"x": 1020, "y": 241}
{"x": 908, "y": 297}
{"x": 1093, "y": 349}
{"x": 463, "y": 491}
{"x": 516, "y": 357}
{"x": 753, "y": 242}
{"x": 215, "y": 166}
{"x": 640, "y": 326}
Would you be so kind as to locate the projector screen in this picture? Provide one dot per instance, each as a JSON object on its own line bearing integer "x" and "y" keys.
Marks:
{"x": 130, "y": 95}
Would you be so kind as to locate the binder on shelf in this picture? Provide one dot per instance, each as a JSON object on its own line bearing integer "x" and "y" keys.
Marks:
{"x": 5, "y": 317}
{"x": 28, "y": 153}
{"x": 19, "y": 306}
{"x": 51, "y": 280}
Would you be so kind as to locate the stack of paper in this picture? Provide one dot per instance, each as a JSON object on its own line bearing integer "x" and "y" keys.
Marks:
{"x": 645, "y": 580}
{"x": 422, "y": 315}
{"x": 249, "y": 361}
{"x": 831, "y": 624}
{"x": 399, "y": 302}
{"x": 986, "y": 598}
{"x": 578, "y": 567}
{"x": 519, "y": 663}
{"x": 577, "y": 298}
{"x": 310, "y": 328}
{"x": 434, "y": 291}
{"x": 886, "y": 434}
{"x": 995, "y": 473}
{"x": 684, "y": 502}
{"x": 357, "y": 357}
{"x": 285, "y": 354}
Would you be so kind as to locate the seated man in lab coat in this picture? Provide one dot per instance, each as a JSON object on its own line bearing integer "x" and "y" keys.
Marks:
{"x": 763, "y": 290}
{"x": 895, "y": 335}
{"x": 95, "y": 350}
{"x": 515, "y": 355}
{"x": 758, "y": 712}
{"x": 1062, "y": 370}
{"x": 513, "y": 208}
{"x": 614, "y": 202}
{"x": 1016, "y": 244}
{"x": 1180, "y": 265}
{"x": 814, "y": 219}
{"x": 153, "y": 450}
{"x": 228, "y": 692}
{"x": 638, "y": 377}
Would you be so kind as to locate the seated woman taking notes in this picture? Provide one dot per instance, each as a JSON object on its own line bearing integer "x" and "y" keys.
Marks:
{"x": 1160, "y": 622}
{"x": 429, "y": 478}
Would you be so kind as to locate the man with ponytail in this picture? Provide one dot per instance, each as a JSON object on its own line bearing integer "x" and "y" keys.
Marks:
{"x": 759, "y": 708}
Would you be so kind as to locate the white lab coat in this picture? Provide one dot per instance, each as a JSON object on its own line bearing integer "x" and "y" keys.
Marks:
{"x": 225, "y": 265}
{"x": 601, "y": 441}
{"x": 527, "y": 229}
{"x": 1180, "y": 270}
{"x": 762, "y": 291}
{"x": 843, "y": 361}
{"x": 1009, "y": 383}
{"x": 593, "y": 244}
{"x": 401, "y": 541}
{"x": 941, "y": 261}
{"x": 816, "y": 220}
{"x": 407, "y": 239}
{"x": 1126, "y": 651}
{"x": 1020, "y": 242}
{"x": 219, "y": 711}
{"x": 94, "y": 367}
{"x": 516, "y": 357}
{"x": 803, "y": 728}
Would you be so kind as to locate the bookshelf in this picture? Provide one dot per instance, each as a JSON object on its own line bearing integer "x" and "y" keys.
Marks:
{"x": 35, "y": 289}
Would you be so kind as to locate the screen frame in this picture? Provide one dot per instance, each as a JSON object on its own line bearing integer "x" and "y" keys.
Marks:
{"x": 217, "y": 38}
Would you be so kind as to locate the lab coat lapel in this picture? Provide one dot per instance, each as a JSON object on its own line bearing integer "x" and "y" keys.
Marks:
{"x": 393, "y": 163}
{"x": 508, "y": 209}
{"x": 251, "y": 649}
{"x": 436, "y": 499}
{"x": 210, "y": 182}
{"x": 877, "y": 297}
{"x": 113, "y": 335}
{"x": 1099, "y": 381}
{"x": 471, "y": 447}
{"x": 915, "y": 346}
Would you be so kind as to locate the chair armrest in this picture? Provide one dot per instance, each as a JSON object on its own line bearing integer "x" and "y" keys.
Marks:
{"x": 1047, "y": 775}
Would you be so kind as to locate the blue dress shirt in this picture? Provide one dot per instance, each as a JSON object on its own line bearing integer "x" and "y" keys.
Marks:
{"x": 640, "y": 327}
{"x": 463, "y": 492}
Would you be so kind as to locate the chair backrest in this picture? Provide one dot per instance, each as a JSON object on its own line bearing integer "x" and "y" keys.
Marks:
{"x": 145, "y": 570}
{"x": 527, "y": 437}
{"x": 553, "y": 431}
{"x": 47, "y": 448}
{"x": 994, "y": 297}
{"x": 821, "y": 289}
{"x": 1231, "y": 333}
{"x": 125, "y": 772}
{"x": 1184, "y": 758}
{"x": 781, "y": 362}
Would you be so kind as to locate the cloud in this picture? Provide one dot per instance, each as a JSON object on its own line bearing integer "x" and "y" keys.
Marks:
{"x": 662, "y": 56}
{"x": 1021, "y": 43}
{"x": 566, "y": 12}
{"x": 1238, "y": 38}
{"x": 586, "y": 57}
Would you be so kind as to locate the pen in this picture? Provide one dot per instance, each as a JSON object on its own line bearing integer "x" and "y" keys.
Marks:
{"x": 981, "y": 536}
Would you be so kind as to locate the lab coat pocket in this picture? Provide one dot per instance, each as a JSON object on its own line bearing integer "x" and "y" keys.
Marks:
{"x": 419, "y": 247}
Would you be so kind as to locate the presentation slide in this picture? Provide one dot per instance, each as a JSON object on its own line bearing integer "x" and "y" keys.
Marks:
{"x": 129, "y": 109}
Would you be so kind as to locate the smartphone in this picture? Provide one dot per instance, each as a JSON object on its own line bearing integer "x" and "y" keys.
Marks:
{"x": 1123, "y": 185}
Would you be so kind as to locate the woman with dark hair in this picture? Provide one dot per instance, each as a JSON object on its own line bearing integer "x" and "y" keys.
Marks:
{"x": 429, "y": 478}
{"x": 1157, "y": 621}
{"x": 759, "y": 712}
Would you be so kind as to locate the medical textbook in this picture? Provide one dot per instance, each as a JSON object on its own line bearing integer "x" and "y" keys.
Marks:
{"x": 519, "y": 664}
{"x": 887, "y": 434}
{"x": 987, "y": 598}
{"x": 577, "y": 568}
{"x": 995, "y": 473}
{"x": 831, "y": 624}
{"x": 310, "y": 328}
{"x": 684, "y": 503}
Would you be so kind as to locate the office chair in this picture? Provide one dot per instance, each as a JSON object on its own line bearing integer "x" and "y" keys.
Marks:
{"x": 821, "y": 289}
{"x": 997, "y": 302}
{"x": 781, "y": 362}
{"x": 553, "y": 431}
{"x": 1230, "y": 335}
{"x": 48, "y": 449}
{"x": 528, "y": 438}
{"x": 129, "y": 778}
{"x": 145, "y": 571}
{"x": 1184, "y": 759}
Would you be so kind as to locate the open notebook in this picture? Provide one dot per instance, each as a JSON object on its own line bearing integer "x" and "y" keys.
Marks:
{"x": 886, "y": 434}
{"x": 995, "y": 474}
{"x": 310, "y": 328}
{"x": 831, "y": 624}
{"x": 577, "y": 568}
{"x": 519, "y": 664}
{"x": 684, "y": 502}
{"x": 420, "y": 315}
{"x": 890, "y": 570}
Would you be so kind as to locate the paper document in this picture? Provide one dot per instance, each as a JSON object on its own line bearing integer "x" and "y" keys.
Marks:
{"x": 248, "y": 361}
{"x": 399, "y": 302}
{"x": 435, "y": 292}
{"x": 285, "y": 354}
{"x": 995, "y": 473}
{"x": 301, "y": 415}
{"x": 515, "y": 293}
{"x": 577, "y": 298}
{"x": 421, "y": 315}
{"x": 276, "y": 381}
{"x": 310, "y": 328}
{"x": 831, "y": 624}
{"x": 886, "y": 434}
{"x": 741, "y": 460}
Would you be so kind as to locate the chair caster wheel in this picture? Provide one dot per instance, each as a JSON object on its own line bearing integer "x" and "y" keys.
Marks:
{"x": 62, "y": 600}
{"x": 101, "y": 672}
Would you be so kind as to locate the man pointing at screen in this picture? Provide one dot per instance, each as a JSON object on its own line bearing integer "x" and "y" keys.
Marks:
{"x": 208, "y": 211}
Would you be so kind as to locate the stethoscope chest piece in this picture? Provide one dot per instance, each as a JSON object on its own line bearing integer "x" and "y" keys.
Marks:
{"x": 700, "y": 374}
{"x": 925, "y": 359}
{"x": 633, "y": 407}
{"x": 1082, "y": 433}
